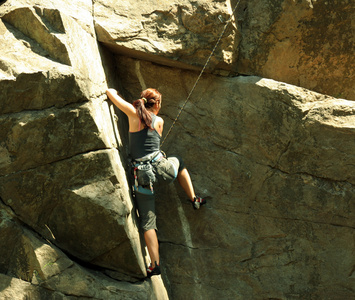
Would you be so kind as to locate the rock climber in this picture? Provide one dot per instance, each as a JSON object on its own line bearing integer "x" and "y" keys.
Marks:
{"x": 150, "y": 165}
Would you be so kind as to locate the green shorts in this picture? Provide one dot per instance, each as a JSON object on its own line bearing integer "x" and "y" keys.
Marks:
{"x": 166, "y": 171}
{"x": 145, "y": 200}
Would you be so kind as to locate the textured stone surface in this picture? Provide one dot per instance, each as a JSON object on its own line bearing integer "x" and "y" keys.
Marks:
{"x": 85, "y": 206}
{"x": 45, "y": 143}
{"x": 276, "y": 160}
{"x": 68, "y": 132}
{"x": 62, "y": 176}
{"x": 45, "y": 272}
{"x": 52, "y": 35}
{"x": 177, "y": 33}
{"x": 306, "y": 43}
{"x": 35, "y": 82}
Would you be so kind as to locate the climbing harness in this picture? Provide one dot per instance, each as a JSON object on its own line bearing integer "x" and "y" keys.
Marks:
{"x": 203, "y": 69}
{"x": 143, "y": 170}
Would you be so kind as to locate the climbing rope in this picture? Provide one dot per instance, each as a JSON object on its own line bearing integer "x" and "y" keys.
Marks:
{"x": 203, "y": 69}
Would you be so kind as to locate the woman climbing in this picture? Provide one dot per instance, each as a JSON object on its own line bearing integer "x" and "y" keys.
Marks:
{"x": 150, "y": 165}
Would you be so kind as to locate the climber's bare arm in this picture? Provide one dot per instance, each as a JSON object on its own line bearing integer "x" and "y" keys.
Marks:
{"x": 159, "y": 124}
{"x": 122, "y": 104}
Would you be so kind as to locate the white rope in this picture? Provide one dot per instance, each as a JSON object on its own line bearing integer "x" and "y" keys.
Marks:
{"x": 203, "y": 69}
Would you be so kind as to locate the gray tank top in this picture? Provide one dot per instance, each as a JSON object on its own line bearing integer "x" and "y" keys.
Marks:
{"x": 144, "y": 142}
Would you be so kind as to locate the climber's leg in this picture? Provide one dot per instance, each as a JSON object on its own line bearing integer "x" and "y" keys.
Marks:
{"x": 151, "y": 240}
{"x": 186, "y": 183}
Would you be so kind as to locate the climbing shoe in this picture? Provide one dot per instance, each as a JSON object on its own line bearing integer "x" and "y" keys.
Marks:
{"x": 198, "y": 201}
{"x": 153, "y": 270}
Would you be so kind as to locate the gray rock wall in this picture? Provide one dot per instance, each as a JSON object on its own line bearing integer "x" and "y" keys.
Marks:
{"x": 68, "y": 220}
{"x": 276, "y": 160}
{"x": 304, "y": 43}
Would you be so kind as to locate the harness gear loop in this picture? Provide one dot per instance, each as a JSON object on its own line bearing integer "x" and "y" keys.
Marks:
{"x": 145, "y": 165}
{"x": 203, "y": 69}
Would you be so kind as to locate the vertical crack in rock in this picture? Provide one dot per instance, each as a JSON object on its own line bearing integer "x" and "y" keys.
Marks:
{"x": 276, "y": 159}
{"x": 139, "y": 76}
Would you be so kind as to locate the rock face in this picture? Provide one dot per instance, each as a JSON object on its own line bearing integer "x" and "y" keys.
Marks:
{"x": 62, "y": 174}
{"x": 271, "y": 149}
{"x": 304, "y": 43}
{"x": 278, "y": 162}
{"x": 175, "y": 33}
{"x": 45, "y": 272}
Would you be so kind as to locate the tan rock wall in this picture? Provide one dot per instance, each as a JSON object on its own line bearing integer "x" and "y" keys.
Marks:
{"x": 39, "y": 270}
{"x": 305, "y": 43}
{"x": 176, "y": 33}
{"x": 63, "y": 178}
{"x": 275, "y": 160}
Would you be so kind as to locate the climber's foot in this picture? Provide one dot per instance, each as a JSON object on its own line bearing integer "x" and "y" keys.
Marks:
{"x": 153, "y": 270}
{"x": 197, "y": 202}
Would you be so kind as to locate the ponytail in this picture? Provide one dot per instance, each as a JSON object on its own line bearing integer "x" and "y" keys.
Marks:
{"x": 149, "y": 98}
{"x": 143, "y": 113}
